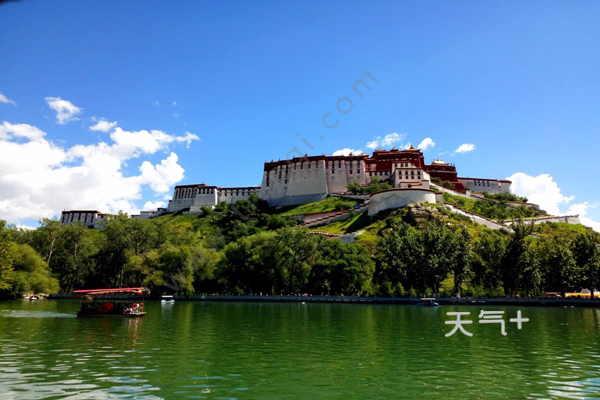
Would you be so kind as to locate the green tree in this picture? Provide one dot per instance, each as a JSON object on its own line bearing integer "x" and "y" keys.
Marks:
{"x": 488, "y": 252}
{"x": 175, "y": 263}
{"x": 347, "y": 267}
{"x": 376, "y": 185}
{"x": 516, "y": 259}
{"x": 7, "y": 256}
{"x": 530, "y": 277}
{"x": 399, "y": 253}
{"x": 297, "y": 252}
{"x": 235, "y": 272}
{"x": 71, "y": 259}
{"x": 587, "y": 257}
{"x": 460, "y": 264}
{"x": 112, "y": 255}
{"x": 561, "y": 272}
{"x": 204, "y": 261}
{"x": 142, "y": 235}
{"x": 32, "y": 274}
{"x": 51, "y": 231}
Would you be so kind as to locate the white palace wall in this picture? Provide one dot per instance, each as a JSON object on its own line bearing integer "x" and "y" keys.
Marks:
{"x": 396, "y": 198}
{"x": 208, "y": 196}
{"x": 231, "y": 195}
{"x": 491, "y": 186}
{"x": 341, "y": 173}
{"x": 305, "y": 180}
{"x": 308, "y": 179}
{"x": 298, "y": 181}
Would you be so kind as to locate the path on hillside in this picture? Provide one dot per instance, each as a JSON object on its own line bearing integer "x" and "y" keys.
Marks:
{"x": 477, "y": 218}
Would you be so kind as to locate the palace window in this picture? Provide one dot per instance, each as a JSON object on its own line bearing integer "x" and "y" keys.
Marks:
{"x": 351, "y": 171}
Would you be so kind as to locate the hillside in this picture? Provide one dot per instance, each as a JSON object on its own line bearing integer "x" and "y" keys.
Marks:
{"x": 251, "y": 248}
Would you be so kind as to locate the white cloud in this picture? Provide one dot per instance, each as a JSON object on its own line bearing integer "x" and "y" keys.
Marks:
{"x": 103, "y": 126}
{"x": 346, "y": 152}
{"x": 387, "y": 141}
{"x": 20, "y": 130}
{"x": 161, "y": 177}
{"x": 465, "y": 148}
{"x": 40, "y": 178}
{"x": 188, "y": 138}
{"x": 174, "y": 104}
{"x": 373, "y": 145}
{"x": 65, "y": 110}
{"x": 6, "y": 100}
{"x": 392, "y": 139}
{"x": 153, "y": 205}
{"x": 542, "y": 190}
{"x": 581, "y": 209}
{"x": 175, "y": 115}
{"x": 426, "y": 143}
{"x": 156, "y": 103}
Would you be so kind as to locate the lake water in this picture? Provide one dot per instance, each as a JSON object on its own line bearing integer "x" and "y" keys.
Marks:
{"x": 196, "y": 350}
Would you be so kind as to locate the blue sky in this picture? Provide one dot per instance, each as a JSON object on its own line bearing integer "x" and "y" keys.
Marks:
{"x": 517, "y": 80}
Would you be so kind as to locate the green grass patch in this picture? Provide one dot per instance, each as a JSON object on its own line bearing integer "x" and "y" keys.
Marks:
{"x": 491, "y": 209}
{"x": 560, "y": 230}
{"x": 328, "y": 204}
{"x": 352, "y": 224}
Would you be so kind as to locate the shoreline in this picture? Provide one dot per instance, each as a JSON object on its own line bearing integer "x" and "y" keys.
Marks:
{"x": 442, "y": 301}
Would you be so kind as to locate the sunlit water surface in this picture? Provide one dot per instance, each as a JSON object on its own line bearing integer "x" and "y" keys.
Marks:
{"x": 190, "y": 350}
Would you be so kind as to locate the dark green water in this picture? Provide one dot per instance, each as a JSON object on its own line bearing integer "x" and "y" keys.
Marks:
{"x": 292, "y": 351}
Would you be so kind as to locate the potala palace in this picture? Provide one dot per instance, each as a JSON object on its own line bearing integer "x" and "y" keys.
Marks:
{"x": 308, "y": 179}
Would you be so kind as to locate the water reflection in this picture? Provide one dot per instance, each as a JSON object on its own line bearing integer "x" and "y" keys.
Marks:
{"x": 259, "y": 350}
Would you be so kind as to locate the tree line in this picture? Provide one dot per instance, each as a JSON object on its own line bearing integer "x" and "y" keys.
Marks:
{"x": 248, "y": 248}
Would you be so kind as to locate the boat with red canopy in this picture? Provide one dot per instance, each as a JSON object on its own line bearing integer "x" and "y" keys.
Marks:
{"x": 120, "y": 302}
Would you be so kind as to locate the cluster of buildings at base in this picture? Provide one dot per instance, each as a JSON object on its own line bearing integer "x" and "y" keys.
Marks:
{"x": 309, "y": 179}
{"x": 95, "y": 219}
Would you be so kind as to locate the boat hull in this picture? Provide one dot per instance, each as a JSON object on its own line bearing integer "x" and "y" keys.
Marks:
{"x": 138, "y": 315}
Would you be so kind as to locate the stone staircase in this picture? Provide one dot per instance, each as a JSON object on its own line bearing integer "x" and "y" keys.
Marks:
{"x": 476, "y": 218}
{"x": 327, "y": 217}
{"x": 324, "y": 218}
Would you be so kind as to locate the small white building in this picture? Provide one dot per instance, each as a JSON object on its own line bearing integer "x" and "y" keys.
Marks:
{"x": 90, "y": 218}
{"x": 491, "y": 186}
{"x": 201, "y": 195}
